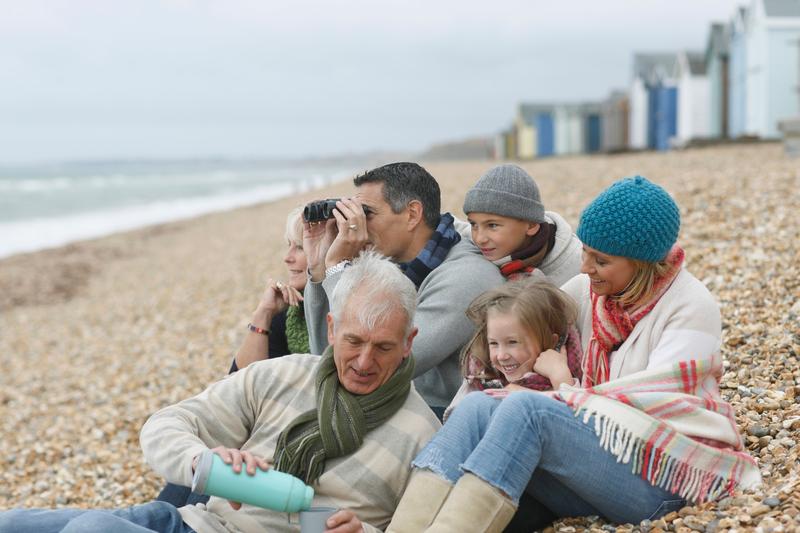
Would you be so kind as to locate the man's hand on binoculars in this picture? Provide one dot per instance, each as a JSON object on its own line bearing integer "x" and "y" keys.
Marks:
{"x": 317, "y": 239}
{"x": 351, "y": 223}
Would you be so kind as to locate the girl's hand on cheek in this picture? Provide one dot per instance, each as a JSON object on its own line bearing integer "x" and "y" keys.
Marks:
{"x": 553, "y": 365}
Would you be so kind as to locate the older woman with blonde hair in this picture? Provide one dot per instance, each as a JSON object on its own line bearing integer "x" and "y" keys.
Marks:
{"x": 646, "y": 433}
{"x": 278, "y": 326}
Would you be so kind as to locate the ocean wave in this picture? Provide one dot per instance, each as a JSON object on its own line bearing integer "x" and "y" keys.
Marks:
{"x": 40, "y": 233}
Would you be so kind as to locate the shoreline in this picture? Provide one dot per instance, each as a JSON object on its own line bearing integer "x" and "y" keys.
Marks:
{"x": 98, "y": 335}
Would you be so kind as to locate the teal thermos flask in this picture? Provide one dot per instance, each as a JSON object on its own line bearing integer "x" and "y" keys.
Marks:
{"x": 268, "y": 489}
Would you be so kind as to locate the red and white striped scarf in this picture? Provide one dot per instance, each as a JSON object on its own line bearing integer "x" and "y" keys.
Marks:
{"x": 612, "y": 323}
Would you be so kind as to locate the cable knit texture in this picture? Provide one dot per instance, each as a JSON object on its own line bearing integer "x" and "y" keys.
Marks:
{"x": 633, "y": 218}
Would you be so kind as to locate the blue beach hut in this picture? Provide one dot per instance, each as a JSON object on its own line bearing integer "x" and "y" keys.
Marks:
{"x": 651, "y": 71}
{"x": 593, "y": 127}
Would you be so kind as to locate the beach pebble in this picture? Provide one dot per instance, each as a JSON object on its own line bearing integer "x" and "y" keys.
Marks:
{"x": 119, "y": 327}
{"x": 772, "y": 501}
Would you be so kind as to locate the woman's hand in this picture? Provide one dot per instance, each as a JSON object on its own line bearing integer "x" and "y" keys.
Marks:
{"x": 277, "y": 297}
{"x": 553, "y": 365}
{"x": 343, "y": 521}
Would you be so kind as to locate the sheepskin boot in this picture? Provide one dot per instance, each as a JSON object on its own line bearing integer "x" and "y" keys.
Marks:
{"x": 474, "y": 505}
{"x": 421, "y": 501}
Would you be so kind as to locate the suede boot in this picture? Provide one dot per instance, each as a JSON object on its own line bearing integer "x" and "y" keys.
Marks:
{"x": 421, "y": 501}
{"x": 474, "y": 506}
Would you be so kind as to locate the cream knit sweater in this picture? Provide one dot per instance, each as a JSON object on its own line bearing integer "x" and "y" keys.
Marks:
{"x": 248, "y": 410}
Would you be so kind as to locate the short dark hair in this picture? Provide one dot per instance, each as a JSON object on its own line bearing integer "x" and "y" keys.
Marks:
{"x": 404, "y": 182}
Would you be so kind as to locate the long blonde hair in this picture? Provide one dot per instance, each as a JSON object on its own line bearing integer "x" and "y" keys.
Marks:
{"x": 641, "y": 285}
{"x": 541, "y": 308}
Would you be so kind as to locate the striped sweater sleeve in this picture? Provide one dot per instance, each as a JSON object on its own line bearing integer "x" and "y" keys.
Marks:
{"x": 221, "y": 415}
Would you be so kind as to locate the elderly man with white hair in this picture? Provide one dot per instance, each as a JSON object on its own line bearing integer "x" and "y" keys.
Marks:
{"x": 348, "y": 423}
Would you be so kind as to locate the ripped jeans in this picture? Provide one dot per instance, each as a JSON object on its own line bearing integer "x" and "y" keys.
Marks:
{"x": 528, "y": 442}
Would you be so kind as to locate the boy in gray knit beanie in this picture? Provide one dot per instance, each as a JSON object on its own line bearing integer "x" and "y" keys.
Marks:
{"x": 508, "y": 221}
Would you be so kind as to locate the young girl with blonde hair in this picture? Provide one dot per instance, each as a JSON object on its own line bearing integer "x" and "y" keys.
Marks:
{"x": 524, "y": 333}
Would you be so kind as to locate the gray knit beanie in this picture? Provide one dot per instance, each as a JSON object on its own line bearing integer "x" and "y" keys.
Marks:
{"x": 506, "y": 190}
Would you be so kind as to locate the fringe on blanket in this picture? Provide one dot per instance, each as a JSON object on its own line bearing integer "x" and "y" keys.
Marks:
{"x": 670, "y": 460}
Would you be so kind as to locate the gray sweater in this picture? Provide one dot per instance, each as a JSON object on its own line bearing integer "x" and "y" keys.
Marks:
{"x": 444, "y": 329}
{"x": 563, "y": 262}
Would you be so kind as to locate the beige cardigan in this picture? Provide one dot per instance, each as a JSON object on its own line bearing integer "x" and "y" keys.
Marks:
{"x": 248, "y": 410}
{"x": 684, "y": 324}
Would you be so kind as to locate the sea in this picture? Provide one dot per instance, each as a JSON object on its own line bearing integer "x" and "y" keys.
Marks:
{"x": 49, "y": 205}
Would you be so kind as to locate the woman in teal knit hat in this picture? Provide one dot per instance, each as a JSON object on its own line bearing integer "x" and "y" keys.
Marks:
{"x": 645, "y": 433}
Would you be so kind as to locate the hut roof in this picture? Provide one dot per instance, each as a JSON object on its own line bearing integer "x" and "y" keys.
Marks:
{"x": 697, "y": 63}
{"x": 717, "y": 40}
{"x": 782, "y": 8}
{"x": 653, "y": 67}
{"x": 529, "y": 111}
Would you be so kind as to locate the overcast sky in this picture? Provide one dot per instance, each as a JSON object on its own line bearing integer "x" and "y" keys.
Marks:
{"x": 257, "y": 78}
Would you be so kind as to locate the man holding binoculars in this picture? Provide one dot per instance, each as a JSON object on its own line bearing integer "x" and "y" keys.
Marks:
{"x": 396, "y": 211}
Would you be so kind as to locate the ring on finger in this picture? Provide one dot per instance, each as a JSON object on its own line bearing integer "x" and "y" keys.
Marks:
{"x": 279, "y": 285}
{"x": 353, "y": 226}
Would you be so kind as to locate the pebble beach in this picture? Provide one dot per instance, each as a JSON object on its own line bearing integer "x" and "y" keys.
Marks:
{"x": 96, "y": 336}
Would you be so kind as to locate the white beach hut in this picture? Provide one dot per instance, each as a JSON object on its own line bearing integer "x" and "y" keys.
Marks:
{"x": 569, "y": 129}
{"x": 737, "y": 73}
{"x": 693, "y": 112}
{"x": 773, "y": 65}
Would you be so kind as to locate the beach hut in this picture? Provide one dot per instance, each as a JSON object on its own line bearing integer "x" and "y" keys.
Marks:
{"x": 506, "y": 144}
{"x": 663, "y": 119}
{"x": 615, "y": 122}
{"x": 569, "y": 129}
{"x": 773, "y": 64}
{"x": 536, "y": 130}
{"x": 593, "y": 127}
{"x": 651, "y": 71}
{"x": 716, "y": 59}
{"x": 693, "y": 112}
{"x": 737, "y": 73}
{"x": 500, "y": 146}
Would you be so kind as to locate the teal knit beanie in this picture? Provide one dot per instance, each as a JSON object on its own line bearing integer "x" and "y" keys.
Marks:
{"x": 633, "y": 218}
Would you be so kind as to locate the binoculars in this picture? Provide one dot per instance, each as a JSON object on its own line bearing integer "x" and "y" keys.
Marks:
{"x": 323, "y": 210}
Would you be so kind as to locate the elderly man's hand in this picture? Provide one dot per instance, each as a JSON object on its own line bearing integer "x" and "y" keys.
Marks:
{"x": 232, "y": 456}
{"x": 344, "y": 521}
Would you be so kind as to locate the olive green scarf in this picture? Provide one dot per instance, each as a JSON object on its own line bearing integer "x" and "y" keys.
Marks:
{"x": 338, "y": 424}
{"x": 296, "y": 330}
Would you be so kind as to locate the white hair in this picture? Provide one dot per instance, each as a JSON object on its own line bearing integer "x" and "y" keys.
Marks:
{"x": 294, "y": 226}
{"x": 381, "y": 285}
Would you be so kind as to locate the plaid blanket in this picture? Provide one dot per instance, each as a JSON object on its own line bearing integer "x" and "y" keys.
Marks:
{"x": 671, "y": 426}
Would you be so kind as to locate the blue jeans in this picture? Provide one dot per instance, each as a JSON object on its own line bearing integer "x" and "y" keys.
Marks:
{"x": 531, "y": 443}
{"x": 154, "y": 516}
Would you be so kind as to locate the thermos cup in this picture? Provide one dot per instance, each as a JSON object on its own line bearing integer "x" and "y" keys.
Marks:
{"x": 268, "y": 489}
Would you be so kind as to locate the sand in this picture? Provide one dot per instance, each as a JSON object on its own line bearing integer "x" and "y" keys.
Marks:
{"x": 96, "y": 336}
